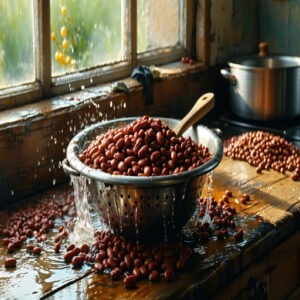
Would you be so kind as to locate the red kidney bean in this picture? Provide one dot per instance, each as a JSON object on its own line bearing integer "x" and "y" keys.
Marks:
{"x": 130, "y": 282}
{"x": 295, "y": 176}
{"x": 143, "y": 162}
{"x": 68, "y": 256}
{"x": 147, "y": 171}
{"x": 143, "y": 151}
{"x": 37, "y": 250}
{"x": 84, "y": 248}
{"x": 98, "y": 267}
{"x": 154, "y": 275}
{"x": 123, "y": 266}
{"x": 169, "y": 274}
{"x": 117, "y": 137}
{"x": 128, "y": 261}
{"x": 243, "y": 200}
{"x": 121, "y": 166}
{"x": 110, "y": 252}
{"x": 77, "y": 261}
{"x": 10, "y": 248}
{"x": 57, "y": 247}
{"x": 112, "y": 262}
{"x": 71, "y": 247}
{"x": 137, "y": 262}
{"x": 144, "y": 270}
{"x": 153, "y": 265}
{"x": 10, "y": 262}
{"x": 137, "y": 272}
{"x": 116, "y": 273}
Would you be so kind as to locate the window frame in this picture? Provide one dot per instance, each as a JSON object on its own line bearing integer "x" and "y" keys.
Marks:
{"x": 46, "y": 86}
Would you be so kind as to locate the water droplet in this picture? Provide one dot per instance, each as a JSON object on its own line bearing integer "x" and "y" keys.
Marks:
{"x": 71, "y": 88}
{"x": 54, "y": 181}
{"x": 12, "y": 192}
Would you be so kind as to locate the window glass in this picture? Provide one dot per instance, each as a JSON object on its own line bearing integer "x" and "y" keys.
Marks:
{"x": 158, "y": 24}
{"x": 16, "y": 43}
{"x": 85, "y": 34}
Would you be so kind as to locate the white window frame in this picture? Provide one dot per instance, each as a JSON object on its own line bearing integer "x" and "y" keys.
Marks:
{"x": 46, "y": 86}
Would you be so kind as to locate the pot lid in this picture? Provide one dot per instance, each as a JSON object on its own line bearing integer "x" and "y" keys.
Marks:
{"x": 264, "y": 60}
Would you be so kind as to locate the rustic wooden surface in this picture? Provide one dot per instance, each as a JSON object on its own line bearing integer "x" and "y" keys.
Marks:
{"x": 268, "y": 219}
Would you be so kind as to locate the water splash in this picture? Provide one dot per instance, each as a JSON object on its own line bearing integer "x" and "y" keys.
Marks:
{"x": 83, "y": 231}
{"x": 209, "y": 183}
{"x": 165, "y": 208}
{"x": 136, "y": 224}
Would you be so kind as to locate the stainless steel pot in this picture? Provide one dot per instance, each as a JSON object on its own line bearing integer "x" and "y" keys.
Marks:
{"x": 264, "y": 87}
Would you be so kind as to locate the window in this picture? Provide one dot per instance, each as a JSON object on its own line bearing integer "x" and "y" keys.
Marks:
{"x": 155, "y": 32}
{"x": 57, "y": 46}
{"x": 16, "y": 47}
{"x": 85, "y": 34}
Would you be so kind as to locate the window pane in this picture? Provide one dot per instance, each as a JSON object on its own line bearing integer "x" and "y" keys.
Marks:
{"x": 16, "y": 43}
{"x": 85, "y": 34}
{"x": 158, "y": 24}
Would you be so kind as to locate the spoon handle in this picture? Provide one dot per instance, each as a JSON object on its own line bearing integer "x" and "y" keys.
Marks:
{"x": 203, "y": 105}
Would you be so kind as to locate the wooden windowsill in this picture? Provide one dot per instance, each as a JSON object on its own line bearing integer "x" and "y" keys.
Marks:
{"x": 72, "y": 100}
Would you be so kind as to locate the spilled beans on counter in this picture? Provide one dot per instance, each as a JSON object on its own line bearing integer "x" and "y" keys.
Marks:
{"x": 265, "y": 151}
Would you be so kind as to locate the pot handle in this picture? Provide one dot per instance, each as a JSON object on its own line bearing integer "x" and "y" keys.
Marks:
{"x": 227, "y": 75}
{"x": 68, "y": 169}
{"x": 263, "y": 49}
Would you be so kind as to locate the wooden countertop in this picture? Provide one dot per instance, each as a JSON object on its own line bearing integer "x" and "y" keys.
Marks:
{"x": 271, "y": 216}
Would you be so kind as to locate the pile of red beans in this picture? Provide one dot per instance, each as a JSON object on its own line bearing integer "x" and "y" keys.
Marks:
{"x": 265, "y": 151}
{"x": 112, "y": 253}
{"x": 33, "y": 223}
{"x": 145, "y": 147}
{"x": 221, "y": 214}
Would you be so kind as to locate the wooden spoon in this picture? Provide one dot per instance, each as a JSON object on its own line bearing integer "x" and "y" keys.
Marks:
{"x": 203, "y": 105}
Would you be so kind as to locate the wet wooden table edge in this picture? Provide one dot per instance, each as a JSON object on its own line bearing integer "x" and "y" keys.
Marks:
{"x": 274, "y": 216}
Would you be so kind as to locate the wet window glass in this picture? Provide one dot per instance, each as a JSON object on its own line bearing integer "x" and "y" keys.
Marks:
{"x": 16, "y": 43}
{"x": 157, "y": 24}
{"x": 92, "y": 41}
{"x": 85, "y": 34}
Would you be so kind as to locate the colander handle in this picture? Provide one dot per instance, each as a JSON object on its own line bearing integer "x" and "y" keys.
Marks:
{"x": 203, "y": 105}
{"x": 68, "y": 169}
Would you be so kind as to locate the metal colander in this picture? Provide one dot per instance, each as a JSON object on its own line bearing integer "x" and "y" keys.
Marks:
{"x": 143, "y": 206}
